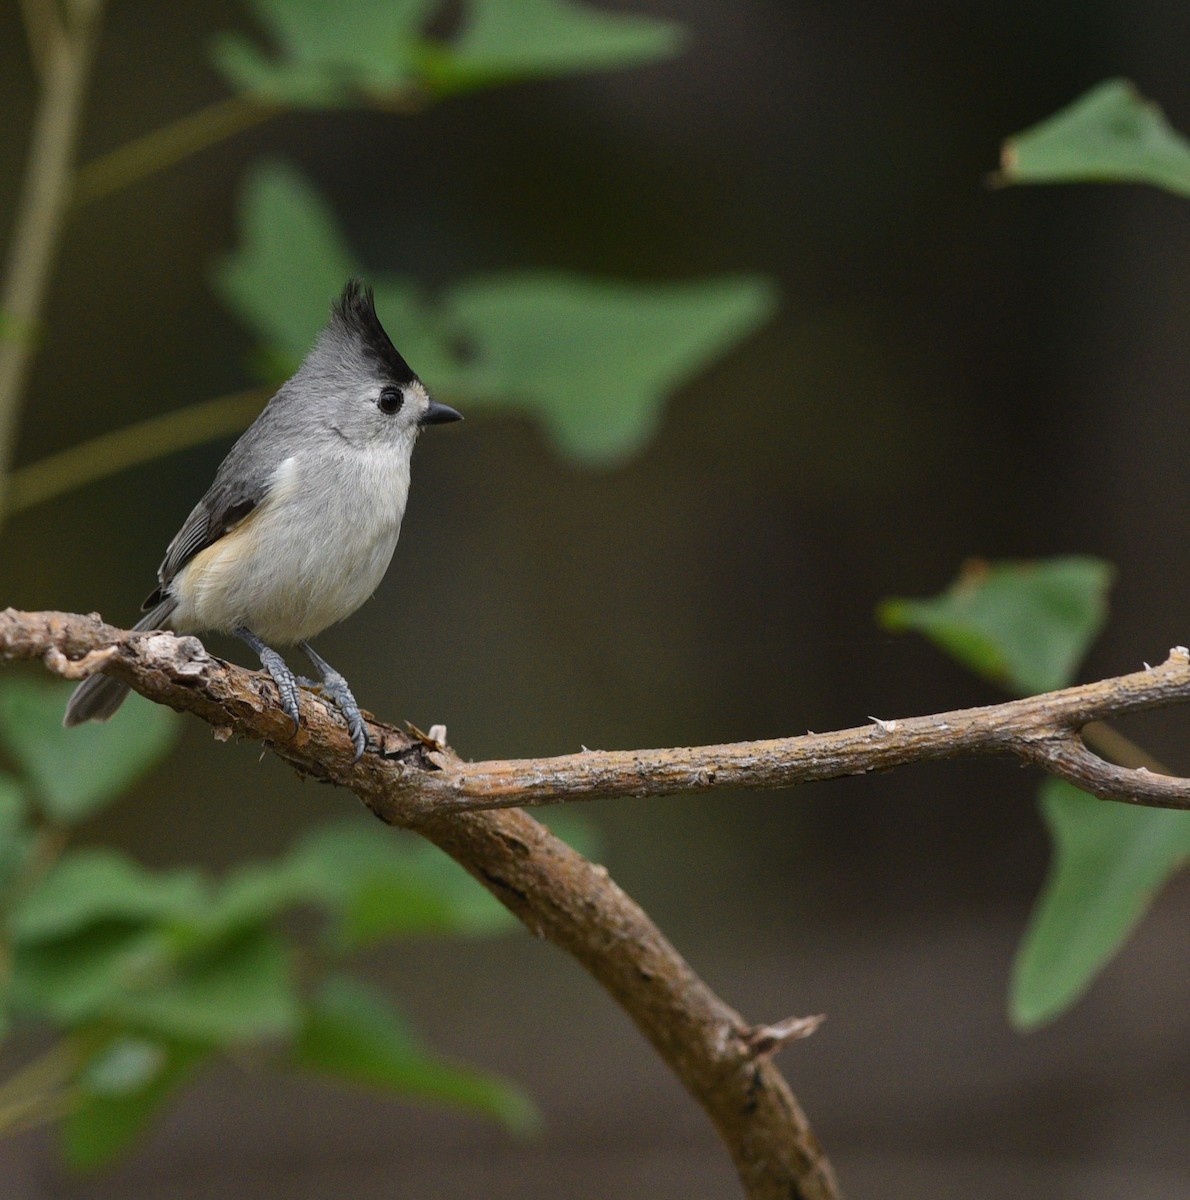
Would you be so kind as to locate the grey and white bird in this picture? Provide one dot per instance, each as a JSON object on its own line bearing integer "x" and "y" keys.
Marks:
{"x": 302, "y": 520}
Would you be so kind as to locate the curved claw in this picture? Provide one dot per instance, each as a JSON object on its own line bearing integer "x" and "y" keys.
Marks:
{"x": 287, "y": 686}
{"x": 335, "y": 689}
{"x": 288, "y": 691}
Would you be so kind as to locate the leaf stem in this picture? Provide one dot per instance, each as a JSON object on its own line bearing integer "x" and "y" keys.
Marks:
{"x": 67, "y": 56}
{"x": 43, "y": 27}
{"x": 129, "y": 447}
{"x": 170, "y": 144}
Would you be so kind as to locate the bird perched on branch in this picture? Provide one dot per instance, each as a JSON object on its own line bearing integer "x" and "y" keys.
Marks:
{"x": 302, "y": 520}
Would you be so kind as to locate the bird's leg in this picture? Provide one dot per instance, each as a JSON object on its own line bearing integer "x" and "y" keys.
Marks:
{"x": 283, "y": 677}
{"x": 335, "y": 689}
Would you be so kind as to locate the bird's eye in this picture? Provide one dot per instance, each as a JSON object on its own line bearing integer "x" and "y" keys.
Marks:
{"x": 390, "y": 400}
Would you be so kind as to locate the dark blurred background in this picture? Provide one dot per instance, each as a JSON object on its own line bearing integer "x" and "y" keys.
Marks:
{"x": 954, "y": 371}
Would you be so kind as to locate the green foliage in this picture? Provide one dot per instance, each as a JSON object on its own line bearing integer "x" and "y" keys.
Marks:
{"x": 16, "y": 837}
{"x": 327, "y": 54}
{"x": 353, "y": 1033}
{"x": 1109, "y": 861}
{"x": 592, "y": 360}
{"x": 542, "y": 343}
{"x": 501, "y": 42}
{"x": 150, "y": 973}
{"x": 82, "y": 976}
{"x": 395, "y": 886}
{"x": 118, "y": 1093}
{"x": 1025, "y": 625}
{"x": 241, "y": 990}
{"x": 73, "y": 773}
{"x": 376, "y": 51}
{"x": 1109, "y": 135}
{"x": 86, "y": 887}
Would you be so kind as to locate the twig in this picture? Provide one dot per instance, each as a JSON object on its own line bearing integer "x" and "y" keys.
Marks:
{"x": 43, "y": 27}
{"x": 164, "y": 147}
{"x": 129, "y": 447}
{"x": 42, "y": 204}
{"x": 554, "y": 890}
{"x": 417, "y": 783}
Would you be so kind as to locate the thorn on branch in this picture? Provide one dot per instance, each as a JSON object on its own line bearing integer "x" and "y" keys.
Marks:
{"x": 763, "y": 1041}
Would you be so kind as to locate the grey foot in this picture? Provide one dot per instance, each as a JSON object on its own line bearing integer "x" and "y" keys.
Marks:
{"x": 334, "y": 687}
{"x": 278, "y": 668}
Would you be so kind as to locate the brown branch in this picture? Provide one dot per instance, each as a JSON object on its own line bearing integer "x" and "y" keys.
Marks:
{"x": 415, "y": 782}
{"x": 725, "y": 1063}
{"x": 414, "y": 778}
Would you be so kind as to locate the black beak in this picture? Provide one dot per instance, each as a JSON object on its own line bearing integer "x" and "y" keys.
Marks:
{"x": 439, "y": 414}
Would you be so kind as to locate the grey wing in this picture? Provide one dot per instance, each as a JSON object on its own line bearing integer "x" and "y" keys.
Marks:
{"x": 241, "y": 484}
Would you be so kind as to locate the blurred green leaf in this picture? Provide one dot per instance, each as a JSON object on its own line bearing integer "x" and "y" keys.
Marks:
{"x": 291, "y": 261}
{"x": 122, "y": 1066}
{"x": 78, "y": 977}
{"x": 238, "y": 991}
{"x": 595, "y": 360}
{"x": 373, "y": 51}
{"x": 250, "y": 895}
{"x": 385, "y": 884}
{"x": 1109, "y": 861}
{"x": 328, "y": 53}
{"x": 106, "y": 1122}
{"x": 1109, "y": 135}
{"x": 353, "y": 1033}
{"x": 16, "y": 836}
{"x": 88, "y": 886}
{"x": 1025, "y": 625}
{"x": 76, "y": 771}
{"x": 501, "y": 41}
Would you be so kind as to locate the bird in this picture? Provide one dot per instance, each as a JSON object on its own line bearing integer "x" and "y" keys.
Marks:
{"x": 302, "y": 519}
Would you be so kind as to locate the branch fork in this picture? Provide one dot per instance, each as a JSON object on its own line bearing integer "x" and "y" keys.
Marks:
{"x": 472, "y": 812}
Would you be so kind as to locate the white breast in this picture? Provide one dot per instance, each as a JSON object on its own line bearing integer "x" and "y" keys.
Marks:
{"x": 307, "y": 557}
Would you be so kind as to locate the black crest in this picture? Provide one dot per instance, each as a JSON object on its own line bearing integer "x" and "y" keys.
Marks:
{"x": 355, "y": 309}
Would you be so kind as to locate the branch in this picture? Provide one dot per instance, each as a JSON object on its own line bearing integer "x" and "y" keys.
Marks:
{"x": 723, "y": 1062}
{"x": 43, "y": 26}
{"x": 416, "y": 778}
{"x": 151, "y": 152}
{"x": 64, "y": 64}
{"x": 138, "y": 443}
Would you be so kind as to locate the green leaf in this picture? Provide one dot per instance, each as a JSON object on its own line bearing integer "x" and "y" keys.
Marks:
{"x": 78, "y": 977}
{"x": 384, "y": 884}
{"x": 106, "y": 1121}
{"x": 596, "y": 360}
{"x": 88, "y": 886}
{"x": 16, "y": 836}
{"x": 122, "y": 1066}
{"x": 249, "y": 896}
{"x": 1109, "y": 135}
{"x": 1025, "y": 625}
{"x": 74, "y": 772}
{"x": 501, "y": 41}
{"x": 1109, "y": 861}
{"x": 291, "y": 263}
{"x": 328, "y": 53}
{"x": 240, "y": 991}
{"x": 353, "y": 1033}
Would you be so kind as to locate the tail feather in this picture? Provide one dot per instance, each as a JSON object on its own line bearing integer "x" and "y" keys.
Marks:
{"x": 97, "y": 698}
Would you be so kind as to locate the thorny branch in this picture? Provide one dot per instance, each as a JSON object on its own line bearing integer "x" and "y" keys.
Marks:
{"x": 416, "y": 782}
